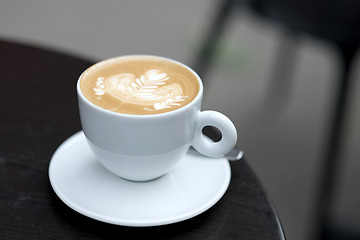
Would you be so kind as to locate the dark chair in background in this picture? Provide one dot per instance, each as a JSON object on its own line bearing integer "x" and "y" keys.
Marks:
{"x": 334, "y": 21}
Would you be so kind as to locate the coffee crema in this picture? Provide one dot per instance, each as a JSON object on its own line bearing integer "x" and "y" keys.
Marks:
{"x": 139, "y": 85}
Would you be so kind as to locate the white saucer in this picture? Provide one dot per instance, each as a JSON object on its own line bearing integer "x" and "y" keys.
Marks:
{"x": 82, "y": 183}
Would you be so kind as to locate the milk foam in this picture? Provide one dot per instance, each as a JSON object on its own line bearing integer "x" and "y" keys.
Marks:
{"x": 150, "y": 89}
{"x": 139, "y": 85}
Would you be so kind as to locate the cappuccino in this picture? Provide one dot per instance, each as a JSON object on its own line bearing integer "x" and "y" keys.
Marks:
{"x": 139, "y": 85}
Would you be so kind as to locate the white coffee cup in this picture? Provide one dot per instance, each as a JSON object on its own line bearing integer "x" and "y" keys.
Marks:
{"x": 145, "y": 147}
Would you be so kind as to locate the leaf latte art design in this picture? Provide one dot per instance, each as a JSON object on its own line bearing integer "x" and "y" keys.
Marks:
{"x": 150, "y": 89}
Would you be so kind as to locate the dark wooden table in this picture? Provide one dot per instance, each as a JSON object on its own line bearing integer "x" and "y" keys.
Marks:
{"x": 38, "y": 112}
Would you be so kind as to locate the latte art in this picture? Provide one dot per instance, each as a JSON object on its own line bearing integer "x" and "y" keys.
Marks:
{"x": 149, "y": 89}
{"x": 139, "y": 85}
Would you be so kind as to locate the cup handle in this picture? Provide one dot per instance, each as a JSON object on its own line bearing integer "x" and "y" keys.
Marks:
{"x": 229, "y": 135}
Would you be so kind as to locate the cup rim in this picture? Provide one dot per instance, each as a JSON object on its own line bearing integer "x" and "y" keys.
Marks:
{"x": 156, "y": 115}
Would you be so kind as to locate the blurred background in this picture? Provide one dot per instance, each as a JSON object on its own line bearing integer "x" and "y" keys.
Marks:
{"x": 284, "y": 139}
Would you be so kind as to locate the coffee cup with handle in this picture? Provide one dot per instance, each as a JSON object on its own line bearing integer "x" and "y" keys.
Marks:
{"x": 141, "y": 113}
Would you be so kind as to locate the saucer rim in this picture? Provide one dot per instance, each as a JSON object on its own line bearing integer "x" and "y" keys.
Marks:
{"x": 131, "y": 223}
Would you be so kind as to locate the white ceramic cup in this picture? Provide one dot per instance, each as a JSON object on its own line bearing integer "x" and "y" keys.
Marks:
{"x": 145, "y": 147}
